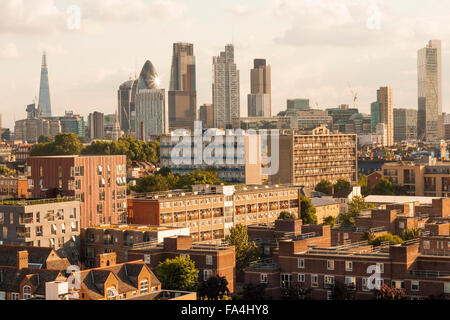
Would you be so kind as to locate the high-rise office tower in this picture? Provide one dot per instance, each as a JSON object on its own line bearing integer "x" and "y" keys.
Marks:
{"x": 225, "y": 88}
{"x": 206, "y": 116}
{"x": 150, "y": 105}
{"x": 182, "y": 91}
{"x": 382, "y": 111}
{"x": 387, "y": 112}
{"x": 96, "y": 125}
{"x": 44, "y": 105}
{"x": 429, "y": 71}
{"x": 260, "y": 98}
{"x": 405, "y": 124}
{"x": 127, "y": 109}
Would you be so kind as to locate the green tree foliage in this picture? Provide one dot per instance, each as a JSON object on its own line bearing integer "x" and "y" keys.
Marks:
{"x": 178, "y": 274}
{"x": 324, "y": 186}
{"x": 357, "y": 204}
{"x": 285, "y": 215}
{"x": 5, "y": 171}
{"x": 63, "y": 144}
{"x": 165, "y": 180}
{"x": 392, "y": 239}
{"x": 308, "y": 212}
{"x": 342, "y": 291}
{"x": 410, "y": 234}
{"x": 364, "y": 184}
{"x": 347, "y": 219}
{"x": 46, "y": 139}
{"x": 341, "y": 185}
{"x": 384, "y": 187}
{"x": 330, "y": 220}
{"x": 135, "y": 150}
{"x": 369, "y": 236}
{"x": 215, "y": 288}
{"x": 246, "y": 252}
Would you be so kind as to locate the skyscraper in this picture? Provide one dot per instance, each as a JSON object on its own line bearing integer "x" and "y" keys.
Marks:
{"x": 429, "y": 71}
{"x": 151, "y": 113}
{"x": 96, "y": 125}
{"x": 182, "y": 91}
{"x": 44, "y": 105}
{"x": 382, "y": 111}
{"x": 225, "y": 93}
{"x": 127, "y": 109}
{"x": 405, "y": 124}
{"x": 260, "y": 99}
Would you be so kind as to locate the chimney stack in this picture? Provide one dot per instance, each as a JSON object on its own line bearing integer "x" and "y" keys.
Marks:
{"x": 22, "y": 260}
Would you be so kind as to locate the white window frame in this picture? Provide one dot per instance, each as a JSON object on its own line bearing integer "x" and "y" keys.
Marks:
{"x": 348, "y": 265}
{"x": 314, "y": 284}
{"x": 26, "y": 292}
{"x": 207, "y": 273}
{"x": 351, "y": 278}
{"x": 330, "y": 264}
{"x": 2, "y": 295}
{"x": 209, "y": 260}
{"x": 15, "y": 296}
{"x": 143, "y": 286}
{"x": 263, "y": 278}
{"x": 301, "y": 263}
{"x": 381, "y": 266}
{"x": 301, "y": 278}
{"x": 415, "y": 283}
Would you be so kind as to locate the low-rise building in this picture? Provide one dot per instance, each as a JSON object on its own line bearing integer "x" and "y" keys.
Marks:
{"x": 13, "y": 187}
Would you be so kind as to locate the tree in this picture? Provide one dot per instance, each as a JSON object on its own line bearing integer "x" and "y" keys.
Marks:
{"x": 347, "y": 219}
{"x": 5, "y": 171}
{"x": 342, "y": 184}
{"x": 369, "y": 236}
{"x": 296, "y": 291}
{"x": 178, "y": 274}
{"x": 285, "y": 215}
{"x": 387, "y": 293}
{"x": 392, "y": 239}
{"x": 363, "y": 182}
{"x": 198, "y": 177}
{"x": 384, "y": 187}
{"x": 253, "y": 292}
{"x": 343, "y": 291}
{"x": 357, "y": 204}
{"x": 152, "y": 183}
{"x": 324, "y": 186}
{"x": 410, "y": 234}
{"x": 246, "y": 252}
{"x": 308, "y": 212}
{"x": 63, "y": 144}
{"x": 215, "y": 288}
{"x": 330, "y": 220}
{"x": 46, "y": 139}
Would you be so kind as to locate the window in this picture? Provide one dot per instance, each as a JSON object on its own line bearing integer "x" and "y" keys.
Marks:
{"x": 426, "y": 244}
{"x": 209, "y": 260}
{"x": 2, "y": 218}
{"x": 330, "y": 264}
{"x": 2, "y": 295}
{"x": 328, "y": 281}
{"x": 286, "y": 279}
{"x": 397, "y": 284}
{"x": 414, "y": 285}
{"x": 364, "y": 284}
{"x": 263, "y": 278}
{"x": 301, "y": 277}
{"x": 301, "y": 263}
{"x": 329, "y": 295}
{"x": 348, "y": 265}
{"x": 143, "y": 286}
{"x": 26, "y": 292}
{"x": 381, "y": 267}
{"x": 314, "y": 280}
{"x": 447, "y": 287}
{"x": 207, "y": 274}
{"x": 147, "y": 258}
{"x": 14, "y": 296}
{"x": 350, "y": 281}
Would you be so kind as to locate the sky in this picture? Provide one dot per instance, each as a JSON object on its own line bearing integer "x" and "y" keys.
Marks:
{"x": 318, "y": 49}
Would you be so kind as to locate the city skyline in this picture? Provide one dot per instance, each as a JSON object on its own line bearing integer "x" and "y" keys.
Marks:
{"x": 301, "y": 67}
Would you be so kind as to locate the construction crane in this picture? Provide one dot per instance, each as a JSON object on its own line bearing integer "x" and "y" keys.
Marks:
{"x": 354, "y": 95}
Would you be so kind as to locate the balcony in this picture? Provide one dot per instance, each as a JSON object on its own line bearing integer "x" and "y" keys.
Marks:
{"x": 424, "y": 274}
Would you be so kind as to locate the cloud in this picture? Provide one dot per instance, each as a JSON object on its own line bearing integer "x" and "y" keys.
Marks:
{"x": 30, "y": 17}
{"x": 131, "y": 11}
{"x": 9, "y": 51}
{"x": 240, "y": 9}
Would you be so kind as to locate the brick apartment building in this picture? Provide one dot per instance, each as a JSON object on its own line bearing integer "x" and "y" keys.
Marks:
{"x": 210, "y": 259}
{"x": 13, "y": 187}
{"x": 122, "y": 238}
{"x": 209, "y": 211}
{"x": 53, "y": 223}
{"x": 98, "y": 182}
{"x": 24, "y": 271}
{"x": 307, "y": 157}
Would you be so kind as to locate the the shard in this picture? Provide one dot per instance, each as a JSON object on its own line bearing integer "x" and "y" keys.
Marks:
{"x": 44, "y": 106}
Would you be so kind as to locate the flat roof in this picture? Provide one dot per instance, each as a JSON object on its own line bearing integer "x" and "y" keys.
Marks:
{"x": 400, "y": 199}
{"x": 125, "y": 227}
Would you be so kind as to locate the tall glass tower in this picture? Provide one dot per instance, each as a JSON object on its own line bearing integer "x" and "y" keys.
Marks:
{"x": 44, "y": 106}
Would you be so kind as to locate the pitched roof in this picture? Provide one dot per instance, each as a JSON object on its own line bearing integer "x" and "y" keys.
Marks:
{"x": 342, "y": 194}
{"x": 319, "y": 202}
{"x": 36, "y": 255}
